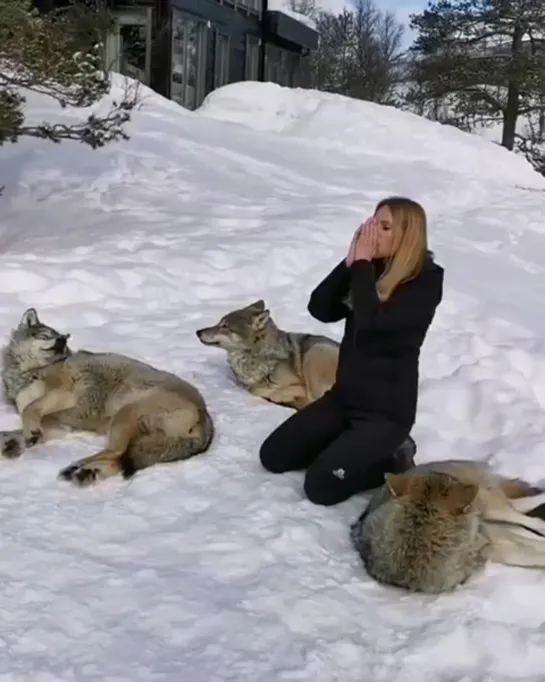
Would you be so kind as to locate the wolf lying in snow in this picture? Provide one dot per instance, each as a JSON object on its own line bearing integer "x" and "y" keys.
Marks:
{"x": 149, "y": 415}
{"x": 435, "y": 526}
{"x": 287, "y": 368}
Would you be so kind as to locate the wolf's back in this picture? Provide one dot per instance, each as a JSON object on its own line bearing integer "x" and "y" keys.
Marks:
{"x": 468, "y": 471}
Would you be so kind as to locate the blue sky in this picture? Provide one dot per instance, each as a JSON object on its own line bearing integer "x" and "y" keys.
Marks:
{"x": 403, "y": 8}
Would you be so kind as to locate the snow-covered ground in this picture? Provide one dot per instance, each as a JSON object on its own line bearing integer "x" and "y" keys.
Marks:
{"x": 213, "y": 570}
{"x": 527, "y": 124}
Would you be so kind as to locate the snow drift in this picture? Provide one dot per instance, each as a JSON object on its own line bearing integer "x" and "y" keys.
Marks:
{"x": 354, "y": 127}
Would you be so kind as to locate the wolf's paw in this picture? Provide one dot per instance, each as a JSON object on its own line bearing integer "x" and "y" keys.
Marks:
{"x": 82, "y": 475}
{"x": 35, "y": 436}
{"x": 12, "y": 443}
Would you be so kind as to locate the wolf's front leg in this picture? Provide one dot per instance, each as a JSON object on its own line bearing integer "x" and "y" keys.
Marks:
{"x": 12, "y": 443}
{"x": 32, "y": 428}
{"x": 55, "y": 400}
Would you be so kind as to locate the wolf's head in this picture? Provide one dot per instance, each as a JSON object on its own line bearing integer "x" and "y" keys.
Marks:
{"x": 437, "y": 502}
{"x": 33, "y": 344}
{"x": 239, "y": 330}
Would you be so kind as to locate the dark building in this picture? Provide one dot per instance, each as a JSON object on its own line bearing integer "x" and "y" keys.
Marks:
{"x": 184, "y": 49}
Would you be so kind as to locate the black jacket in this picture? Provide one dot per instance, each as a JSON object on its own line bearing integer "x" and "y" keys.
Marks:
{"x": 380, "y": 349}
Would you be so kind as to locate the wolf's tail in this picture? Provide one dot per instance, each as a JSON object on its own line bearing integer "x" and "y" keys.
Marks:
{"x": 155, "y": 447}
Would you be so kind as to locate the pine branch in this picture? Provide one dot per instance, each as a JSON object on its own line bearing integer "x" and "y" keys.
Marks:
{"x": 59, "y": 56}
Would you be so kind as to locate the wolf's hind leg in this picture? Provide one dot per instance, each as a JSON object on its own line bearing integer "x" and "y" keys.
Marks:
{"x": 107, "y": 462}
{"x": 292, "y": 395}
{"x": 525, "y": 498}
{"x": 174, "y": 434}
{"x": 319, "y": 370}
{"x": 515, "y": 546}
{"x": 515, "y": 488}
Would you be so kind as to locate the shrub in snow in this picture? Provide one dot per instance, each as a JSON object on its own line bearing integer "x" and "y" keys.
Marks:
{"x": 59, "y": 54}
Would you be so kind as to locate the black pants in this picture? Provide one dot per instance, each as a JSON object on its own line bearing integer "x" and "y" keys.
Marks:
{"x": 343, "y": 455}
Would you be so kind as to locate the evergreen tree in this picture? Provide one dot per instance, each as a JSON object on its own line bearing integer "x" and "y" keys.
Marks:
{"x": 60, "y": 55}
{"x": 484, "y": 58}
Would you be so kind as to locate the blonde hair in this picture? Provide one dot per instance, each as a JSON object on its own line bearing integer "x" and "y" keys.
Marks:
{"x": 410, "y": 244}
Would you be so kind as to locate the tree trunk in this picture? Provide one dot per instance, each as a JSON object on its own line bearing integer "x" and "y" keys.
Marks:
{"x": 510, "y": 117}
{"x": 511, "y": 113}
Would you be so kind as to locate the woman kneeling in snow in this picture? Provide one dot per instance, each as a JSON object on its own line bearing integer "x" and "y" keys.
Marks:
{"x": 387, "y": 290}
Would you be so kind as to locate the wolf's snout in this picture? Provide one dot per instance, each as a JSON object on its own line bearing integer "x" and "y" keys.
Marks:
{"x": 60, "y": 343}
{"x": 206, "y": 336}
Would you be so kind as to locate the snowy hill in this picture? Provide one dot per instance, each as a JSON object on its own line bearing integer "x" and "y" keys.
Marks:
{"x": 213, "y": 570}
{"x": 335, "y": 123}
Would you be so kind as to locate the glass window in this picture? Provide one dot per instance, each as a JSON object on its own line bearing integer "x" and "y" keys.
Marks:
{"x": 253, "y": 5}
{"x": 192, "y": 33}
{"x": 128, "y": 45}
{"x": 178, "y": 56}
{"x": 281, "y": 66}
{"x": 133, "y": 51}
{"x": 221, "y": 60}
{"x": 237, "y": 62}
{"x": 252, "y": 59}
{"x": 188, "y": 60}
{"x": 273, "y": 64}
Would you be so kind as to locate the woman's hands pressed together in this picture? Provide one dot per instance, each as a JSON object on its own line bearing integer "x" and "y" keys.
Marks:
{"x": 364, "y": 242}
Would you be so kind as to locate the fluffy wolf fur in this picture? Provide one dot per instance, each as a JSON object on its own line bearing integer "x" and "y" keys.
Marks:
{"x": 435, "y": 526}
{"x": 149, "y": 415}
{"x": 287, "y": 368}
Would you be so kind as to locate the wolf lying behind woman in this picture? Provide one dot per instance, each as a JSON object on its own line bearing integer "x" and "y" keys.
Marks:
{"x": 433, "y": 527}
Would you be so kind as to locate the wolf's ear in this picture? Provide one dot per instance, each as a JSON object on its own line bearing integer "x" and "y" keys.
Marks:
{"x": 398, "y": 484}
{"x": 30, "y": 318}
{"x": 460, "y": 496}
{"x": 258, "y": 306}
{"x": 260, "y": 320}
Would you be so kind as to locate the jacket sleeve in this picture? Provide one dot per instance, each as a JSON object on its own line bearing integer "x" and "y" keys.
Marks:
{"x": 413, "y": 304}
{"x": 325, "y": 302}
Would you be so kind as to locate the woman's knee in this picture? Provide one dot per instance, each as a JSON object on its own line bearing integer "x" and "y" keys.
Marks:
{"x": 271, "y": 455}
{"x": 295, "y": 443}
{"x": 326, "y": 488}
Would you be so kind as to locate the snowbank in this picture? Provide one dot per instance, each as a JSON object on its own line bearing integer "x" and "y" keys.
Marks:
{"x": 365, "y": 129}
